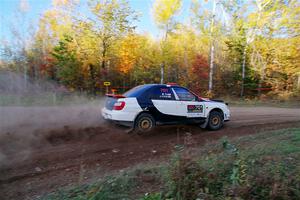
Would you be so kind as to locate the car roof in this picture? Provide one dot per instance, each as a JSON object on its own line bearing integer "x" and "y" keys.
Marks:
{"x": 157, "y": 84}
{"x": 141, "y": 89}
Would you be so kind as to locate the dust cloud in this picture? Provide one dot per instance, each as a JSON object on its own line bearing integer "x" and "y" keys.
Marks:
{"x": 30, "y": 110}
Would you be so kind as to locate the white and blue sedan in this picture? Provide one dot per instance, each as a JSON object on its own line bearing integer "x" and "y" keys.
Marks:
{"x": 145, "y": 106}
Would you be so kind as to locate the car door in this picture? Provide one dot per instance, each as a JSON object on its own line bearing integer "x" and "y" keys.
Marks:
{"x": 164, "y": 100}
{"x": 188, "y": 104}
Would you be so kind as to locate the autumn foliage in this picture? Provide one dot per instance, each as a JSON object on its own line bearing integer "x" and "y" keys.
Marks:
{"x": 257, "y": 50}
{"x": 199, "y": 74}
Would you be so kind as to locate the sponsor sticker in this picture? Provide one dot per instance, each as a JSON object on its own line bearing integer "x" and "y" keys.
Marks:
{"x": 195, "y": 108}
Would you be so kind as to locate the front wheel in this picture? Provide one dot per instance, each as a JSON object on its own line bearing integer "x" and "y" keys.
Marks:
{"x": 144, "y": 123}
{"x": 215, "y": 121}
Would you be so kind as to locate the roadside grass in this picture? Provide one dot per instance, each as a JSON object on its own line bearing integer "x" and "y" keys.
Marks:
{"x": 110, "y": 188}
{"x": 261, "y": 166}
{"x": 130, "y": 184}
{"x": 47, "y": 99}
{"x": 292, "y": 103}
{"x": 56, "y": 99}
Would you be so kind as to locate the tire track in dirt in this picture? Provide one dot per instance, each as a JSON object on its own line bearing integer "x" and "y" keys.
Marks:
{"x": 69, "y": 156}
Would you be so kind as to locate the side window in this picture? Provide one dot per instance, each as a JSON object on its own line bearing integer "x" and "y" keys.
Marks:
{"x": 184, "y": 95}
{"x": 162, "y": 93}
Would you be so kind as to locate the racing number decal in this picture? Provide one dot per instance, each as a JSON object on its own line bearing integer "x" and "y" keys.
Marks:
{"x": 165, "y": 93}
{"x": 195, "y": 108}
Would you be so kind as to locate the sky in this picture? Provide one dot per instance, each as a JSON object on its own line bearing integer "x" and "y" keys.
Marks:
{"x": 9, "y": 8}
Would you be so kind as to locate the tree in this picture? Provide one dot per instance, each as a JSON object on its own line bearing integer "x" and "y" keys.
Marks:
{"x": 209, "y": 23}
{"x": 68, "y": 68}
{"x": 112, "y": 20}
{"x": 199, "y": 74}
{"x": 164, "y": 12}
{"x": 53, "y": 27}
{"x": 234, "y": 46}
{"x": 128, "y": 53}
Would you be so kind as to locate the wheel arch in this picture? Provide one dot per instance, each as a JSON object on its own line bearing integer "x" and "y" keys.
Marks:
{"x": 142, "y": 112}
{"x": 217, "y": 110}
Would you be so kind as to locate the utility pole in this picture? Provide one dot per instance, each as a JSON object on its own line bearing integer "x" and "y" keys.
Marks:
{"x": 212, "y": 49}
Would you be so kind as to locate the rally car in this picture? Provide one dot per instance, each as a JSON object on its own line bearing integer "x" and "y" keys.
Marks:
{"x": 145, "y": 106}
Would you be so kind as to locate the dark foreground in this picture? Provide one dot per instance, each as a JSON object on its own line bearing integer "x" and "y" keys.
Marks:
{"x": 64, "y": 153}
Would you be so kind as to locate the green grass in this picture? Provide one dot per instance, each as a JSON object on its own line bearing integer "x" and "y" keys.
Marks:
{"x": 293, "y": 103}
{"x": 53, "y": 99}
{"x": 46, "y": 99}
{"x": 122, "y": 186}
{"x": 261, "y": 166}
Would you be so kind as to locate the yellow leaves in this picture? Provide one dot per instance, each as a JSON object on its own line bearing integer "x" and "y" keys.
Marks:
{"x": 57, "y": 22}
{"x": 164, "y": 10}
{"x": 97, "y": 7}
{"x": 128, "y": 52}
{"x": 105, "y": 9}
{"x": 63, "y": 2}
{"x": 277, "y": 58}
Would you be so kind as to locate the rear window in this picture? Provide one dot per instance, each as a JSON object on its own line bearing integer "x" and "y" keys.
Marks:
{"x": 110, "y": 102}
{"x": 137, "y": 91}
{"x": 162, "y": 93}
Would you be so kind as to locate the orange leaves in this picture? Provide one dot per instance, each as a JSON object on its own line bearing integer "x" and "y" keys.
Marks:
{"x": 199, "y": 74}
{"x": 200, "y": 67}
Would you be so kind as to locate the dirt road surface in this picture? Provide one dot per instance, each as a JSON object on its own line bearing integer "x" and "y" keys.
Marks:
{"x": 43, "y": 149}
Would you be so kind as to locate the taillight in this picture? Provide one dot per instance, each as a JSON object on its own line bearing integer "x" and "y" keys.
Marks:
{"x": 119, "y": 105}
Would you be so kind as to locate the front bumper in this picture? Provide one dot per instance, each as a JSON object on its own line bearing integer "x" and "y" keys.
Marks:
{"x": 226, "y": 114}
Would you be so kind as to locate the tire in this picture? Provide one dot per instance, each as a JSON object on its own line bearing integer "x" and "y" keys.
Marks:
{"x": 144, "y": 123}
{"x": 215, "y": 121}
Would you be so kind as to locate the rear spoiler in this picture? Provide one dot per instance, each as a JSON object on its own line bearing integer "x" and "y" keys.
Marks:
{"x": 117, "y": 96}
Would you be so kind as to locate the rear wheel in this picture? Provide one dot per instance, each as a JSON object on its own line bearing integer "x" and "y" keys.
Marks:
{"x": 144, "y": 123}
{"x": 215, "y": 121}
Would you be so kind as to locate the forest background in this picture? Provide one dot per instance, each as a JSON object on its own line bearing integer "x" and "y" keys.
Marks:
{"x": 230, "y": 48}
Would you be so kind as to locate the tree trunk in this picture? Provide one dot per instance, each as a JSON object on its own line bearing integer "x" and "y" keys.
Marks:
{"x": 212, "y": 50}
{"x": 262, "y": 77}
{"x": 103, "y": 66}
{"x": 25, "y": 75}
{"x": 162, "y": 66}
{"x": 243, "y": 72}
{"x": 103, "y": 58}
{"x": 211, "y": 68}
{"x": 162, "y": 73}
{"x": 93, "y": 80}
{"x": 298, "y": 84}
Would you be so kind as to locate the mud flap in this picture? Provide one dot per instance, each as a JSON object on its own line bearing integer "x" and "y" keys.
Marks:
{"x": 204, "y": 125}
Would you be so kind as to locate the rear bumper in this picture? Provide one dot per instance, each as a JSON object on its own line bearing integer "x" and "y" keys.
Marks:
{"x": 122, "y": 123}
{"x": 117, "y": 117}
